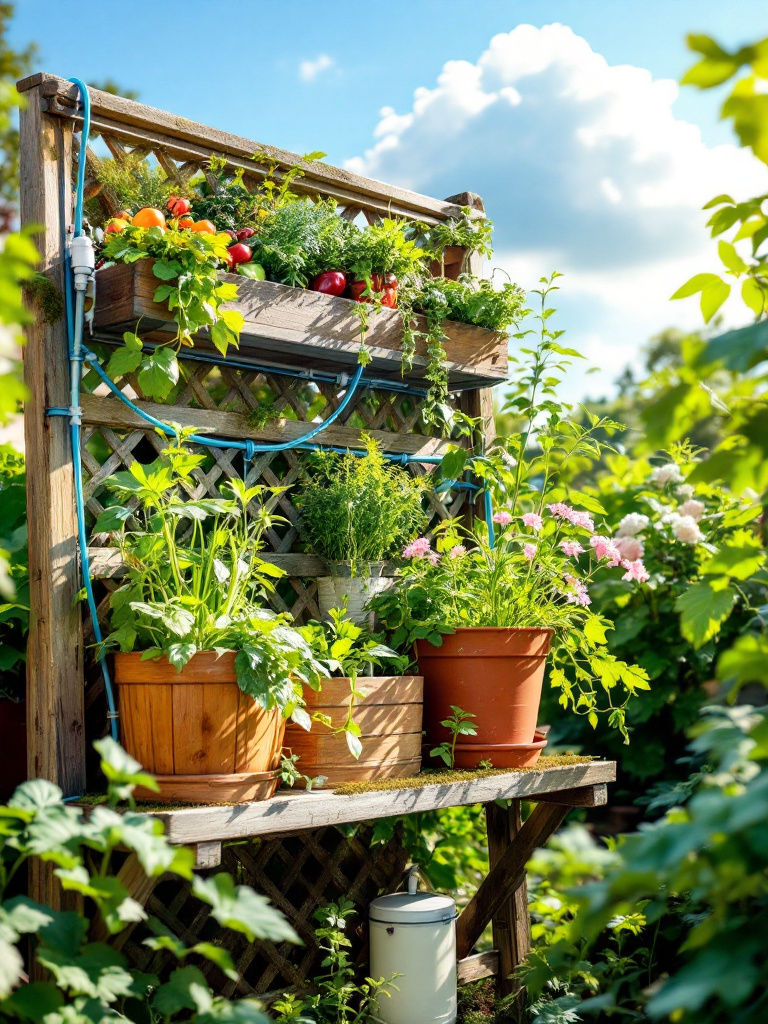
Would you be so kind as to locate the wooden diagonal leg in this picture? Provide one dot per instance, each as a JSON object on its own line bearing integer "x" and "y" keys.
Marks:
{"x": 511, "y": 923}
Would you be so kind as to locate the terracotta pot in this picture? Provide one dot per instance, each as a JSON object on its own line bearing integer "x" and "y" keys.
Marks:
{"x": 389, "y": 715}
{"x": 451, "y": 265}
{"x": 196, "y": 731}
{"x": 495, "y": 673}
{"x": 13, "y": 746}
{"x": 358, "y": 590}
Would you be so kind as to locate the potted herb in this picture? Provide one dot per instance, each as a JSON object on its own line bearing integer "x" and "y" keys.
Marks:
{"x": 14, "y": 620}
{"x": 375, "y": 720}
{"x": 379, "y": 258}
{"x": 206, "y": 673}
{"x": 451, "y": 242}
{"x": 357, "y": 512}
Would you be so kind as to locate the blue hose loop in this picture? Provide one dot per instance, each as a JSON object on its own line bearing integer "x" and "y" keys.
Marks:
{"x": 488, "y": 501}
{"x": 75, "y": 415}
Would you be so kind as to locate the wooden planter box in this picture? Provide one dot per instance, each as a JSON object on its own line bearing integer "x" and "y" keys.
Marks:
{"x": 293, "y": 326}
{"x": 389, "y": 716}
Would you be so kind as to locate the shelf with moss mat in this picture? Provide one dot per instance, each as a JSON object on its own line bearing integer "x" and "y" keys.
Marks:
{"x": 294, "y": 811}
{"x": 293, "y": 326}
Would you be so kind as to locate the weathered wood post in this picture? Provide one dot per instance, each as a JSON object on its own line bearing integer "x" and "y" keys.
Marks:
{"x": 55, "y": 727}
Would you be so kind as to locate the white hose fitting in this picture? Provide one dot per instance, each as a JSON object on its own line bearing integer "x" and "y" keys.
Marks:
{"x": 83, "y": 261}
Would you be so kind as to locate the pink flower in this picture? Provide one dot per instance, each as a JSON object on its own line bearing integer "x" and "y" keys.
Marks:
{"x": 630, "y": 548}
{"x": 433, "y": 557}
{"x": 605, "y": 548}
{"x": 635, "y": 571}
{"x": 457, "y": 551}
{"x": 563, "y": 511}
{"x": 572, "y": 548}
{"x": 580, "y": 594}
{"x": 418, "y": 548}
{"x": 502, "y": 518}
{"x": 532, "y": 520}
{"x": 693, "y": 508}
{"x": 529, "y": 551}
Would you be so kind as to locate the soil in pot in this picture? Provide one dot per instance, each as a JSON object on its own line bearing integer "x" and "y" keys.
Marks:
{"x": 13, "y": 746}
{"x": 357, "y": 589}
{"x": 390, "y": 717}
{"x": 494, "y": 673}
{"x": 195, "y": 730}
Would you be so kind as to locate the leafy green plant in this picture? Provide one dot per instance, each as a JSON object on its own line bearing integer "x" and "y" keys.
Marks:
{"x": 86, "y": 978}
{"x": 348, "y": 650}
{"x": 132, "y": 183}
{"x": 296, "y": 240}
{"x": 384, "y": 248}
{"x": 290, "y": 773}
{"x": 458, "y": 724}
{"x": 340, "y": 999}
{"x": 469, "y": 231}
{"x": 195, "y": 583}
{"x": 186, "y": 264}
{"x": 359, "y": 509}
{"x": 14, "y": 613}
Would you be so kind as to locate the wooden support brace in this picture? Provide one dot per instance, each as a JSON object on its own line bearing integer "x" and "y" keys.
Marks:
{"x": 478, "y": 966}
{"x": 584, "y": 796}
{"x": 507, "y": 875}
{"x": 511, "y": 925}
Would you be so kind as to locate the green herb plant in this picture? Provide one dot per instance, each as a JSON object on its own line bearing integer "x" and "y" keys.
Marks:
{"x": 468, "y": 231}
{"x": 458, "y": 724}
{"x": 194, "y": 581}
{"x": 186, "y": 264}
{"x": 340, "y": 999}
{"x": 290, "y": 773}
{"x": 348, "y": 650}
{"x": 359, "y": 509}
{"x": 86, "y": 978}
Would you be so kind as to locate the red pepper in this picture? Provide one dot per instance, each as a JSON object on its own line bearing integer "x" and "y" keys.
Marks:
{"x": 389, "y": 293}
{"x": 332, "y": 282}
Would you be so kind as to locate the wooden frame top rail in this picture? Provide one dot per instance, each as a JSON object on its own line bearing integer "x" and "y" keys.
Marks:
{"x": 296, "y": 811}
{"x": 182, "y": 139}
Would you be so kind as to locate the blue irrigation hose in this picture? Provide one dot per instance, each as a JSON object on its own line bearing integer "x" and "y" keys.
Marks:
{"x": 489, "y": 515}
{"x": 74, "y": 336}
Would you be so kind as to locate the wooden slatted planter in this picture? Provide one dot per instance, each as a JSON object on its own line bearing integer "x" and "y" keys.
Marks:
{"x": 389, "y": 716}
{"x": 283, "y": 324}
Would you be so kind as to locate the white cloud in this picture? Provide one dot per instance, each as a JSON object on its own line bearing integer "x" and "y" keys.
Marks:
{"x": 310, "y": 69}
{"x": 584, "y": 168}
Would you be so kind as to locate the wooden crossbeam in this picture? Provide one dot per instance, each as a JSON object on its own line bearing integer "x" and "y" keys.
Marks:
{"x": 478, "y": 966}
{"x": 584, "y": 796}
{"x": 507, "y": 875}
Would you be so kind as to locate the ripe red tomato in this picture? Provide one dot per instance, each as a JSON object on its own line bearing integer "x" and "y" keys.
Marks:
{"x": 227, "y": 258}
{"x": 244, "y": 233}
{"x": 231, "y": 234}
{"x": 177, "y": 206}
{"x": 332, "y": 282}
{"x": 240, "y": 253}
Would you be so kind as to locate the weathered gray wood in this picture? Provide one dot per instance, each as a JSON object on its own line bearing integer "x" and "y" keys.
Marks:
{"x": 478, "y": 966}
{"x": 511, "y": 923}
{"x": 507, "y": 875}
{"x": 292, "y": 812}
{"x": 99, "y": 411}
{"x": 284, "y": 323}
{"x": 207, "y": 855}
{"x": 588, "y": 796}
{"x": 55, "y": 713}
{"x": 183, "y": 139}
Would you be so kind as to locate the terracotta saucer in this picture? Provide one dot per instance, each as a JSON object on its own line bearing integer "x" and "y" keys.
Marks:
{"x": 501, "y": 755}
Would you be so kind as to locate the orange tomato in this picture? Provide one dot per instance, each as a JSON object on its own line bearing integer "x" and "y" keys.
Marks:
{"x": 186, "y": 222}
{"x": 205, "y": 227}
{"x": 115, "y": 226}
{"x": 123, "y": 215}
{"x": 148, "y": 217}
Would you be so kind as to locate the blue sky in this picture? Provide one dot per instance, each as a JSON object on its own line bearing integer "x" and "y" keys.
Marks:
{"x": 587, "y": 157}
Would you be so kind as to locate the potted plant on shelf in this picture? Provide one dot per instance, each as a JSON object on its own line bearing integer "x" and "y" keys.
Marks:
{"x": 206, "y": 673}
{"x": 379, "y": 258}
{"x": 375, "y": 720}
{"x": 485, "y": 613}
{"x": 356, "y": 512}
{"x": 14, "y": 620}
{"x": 451, "y": 242}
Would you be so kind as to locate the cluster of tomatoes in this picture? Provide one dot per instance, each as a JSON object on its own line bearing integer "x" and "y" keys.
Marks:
{"x": 381, "y": 286}
{"x": 238, "y": 253}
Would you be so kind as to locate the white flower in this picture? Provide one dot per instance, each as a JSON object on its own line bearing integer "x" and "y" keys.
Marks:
{"x": 669, "y": 473}
{"x": 509, "y": 461}
{"x": 671, "y": 518}
{"x": 685, "y": 491}
{"x": 632, "y": 524}
{"x": 686, "y": 529}
{"x": 631, "y": 548}
{"x": 693, "y": 508}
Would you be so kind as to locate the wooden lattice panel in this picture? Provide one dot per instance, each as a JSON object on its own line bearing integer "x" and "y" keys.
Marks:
{"x": 297, "y": 873}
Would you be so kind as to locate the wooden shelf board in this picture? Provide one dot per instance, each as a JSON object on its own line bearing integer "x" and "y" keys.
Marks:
{"x": 294, "y": 326}
{"x": 296, "y": 811}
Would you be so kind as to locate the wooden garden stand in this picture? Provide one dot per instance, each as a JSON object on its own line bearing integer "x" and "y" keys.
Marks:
{"x": 290, "y": 847}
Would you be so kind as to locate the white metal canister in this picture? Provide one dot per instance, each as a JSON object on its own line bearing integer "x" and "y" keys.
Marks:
{"x": 413, "y": 935}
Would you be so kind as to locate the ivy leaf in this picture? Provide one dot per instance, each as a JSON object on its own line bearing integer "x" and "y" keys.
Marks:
{"x": 11, "y": 968}
{"x": 32, "y": 1001}
{"x": 703, "y": 609}
{"x": 242, "y": 910}
{"x": 180, "y": 992}
{"x": 159, "y": 373}
{"x": 223, "y": 336}
{"x": 753, "y": 295}
{"x": 112, "y": 519}
{"x": 98, "y": 972}
{"x": 166, "y": 270}
{"x": 123, "y": 361}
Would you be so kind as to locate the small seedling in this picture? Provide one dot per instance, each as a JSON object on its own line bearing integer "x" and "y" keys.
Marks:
{"x": 290, "y": 774}
{"x": 457, "y": 725}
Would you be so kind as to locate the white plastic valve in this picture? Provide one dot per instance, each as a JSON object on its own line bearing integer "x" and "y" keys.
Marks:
{"x": 83, "y": 261}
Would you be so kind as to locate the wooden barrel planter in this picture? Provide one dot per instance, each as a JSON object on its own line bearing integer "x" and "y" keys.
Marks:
{"x": 389, "y": 716}
{"x": 203, "y": 739}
